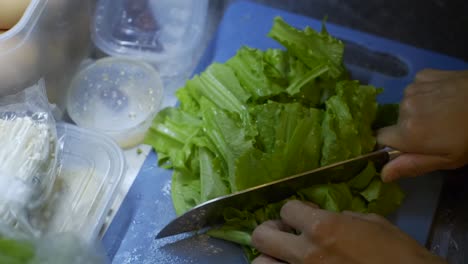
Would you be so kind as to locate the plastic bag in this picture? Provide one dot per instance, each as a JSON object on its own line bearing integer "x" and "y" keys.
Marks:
{"x": 28, "y": 156}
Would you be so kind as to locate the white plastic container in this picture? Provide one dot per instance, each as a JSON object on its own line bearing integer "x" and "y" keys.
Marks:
{"x": 116, "y": 96}
{"x": 49, "y": 41}
{"x": 164, "y": 33}
{"x": 92, "y": 168}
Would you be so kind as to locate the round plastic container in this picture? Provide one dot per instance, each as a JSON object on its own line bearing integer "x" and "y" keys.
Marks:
{"x": 116, "y": 96}
{"x": 164, "y": 33}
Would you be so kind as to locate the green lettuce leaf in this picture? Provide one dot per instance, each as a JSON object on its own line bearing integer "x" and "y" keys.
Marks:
{"x": 292, "y": 146}
{"x": 358, "y": 204}
{"x": 219, "y": 85}
{"x": 347, "y": 125}
{"x": 213, "y": 182}
{"x": 312, "y": 47}
{"x": 185, "y": 192}
{"x": 332, "y": 197}
{"x": 362, "y": 180}
{"x": 249, "y": 67}
{"x": 229, "y": 137}
{"x": 383, "y": 198}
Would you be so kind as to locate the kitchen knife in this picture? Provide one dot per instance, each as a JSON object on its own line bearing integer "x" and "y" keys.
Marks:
{"x": 210, "y": 213}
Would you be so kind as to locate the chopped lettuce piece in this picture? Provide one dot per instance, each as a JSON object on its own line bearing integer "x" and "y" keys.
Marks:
{"x": 213, "y": 183}
{"x": 347, "y": 125}
{"x": 358, "y": 204}
{"x": 293, "y": 146}
{"x": 383, "y": 198}
{"x": 185, "y": 192}
{"x": 249, "y": 66}
{"x": 332, "y": 197}
{"x": 362, "y": 180}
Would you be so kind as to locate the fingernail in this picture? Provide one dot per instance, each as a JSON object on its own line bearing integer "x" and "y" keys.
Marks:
{"x": 311, "y": 204}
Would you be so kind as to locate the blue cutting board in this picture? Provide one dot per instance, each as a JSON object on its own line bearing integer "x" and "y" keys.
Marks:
{"x": 383, "y": 63}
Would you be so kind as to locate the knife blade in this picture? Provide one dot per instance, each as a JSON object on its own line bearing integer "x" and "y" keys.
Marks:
{"x": 210, "y": 213}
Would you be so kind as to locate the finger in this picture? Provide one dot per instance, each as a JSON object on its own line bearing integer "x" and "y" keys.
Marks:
{"x": 316, "y": 223}
{"x": 264, "y": 259}
{"x": 311, "y": 204}
{"x": 429, "y": 75}
{"x": 278, "y": 224}
{"x": 410, "y": 165}
{"x": 329, "y": 231}
{"x": 375, "y": 218}
{"x": 270, "y": 240}
{"x": 392, "y": 136}
{"x": 406, "y": 136}
{"x": 298, "y": 214}
{"x": 423, "y": 88}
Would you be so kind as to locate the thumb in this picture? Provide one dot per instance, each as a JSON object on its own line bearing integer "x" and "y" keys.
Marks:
{"x": 264, "y": 259}
{"x": 410, "y": 165}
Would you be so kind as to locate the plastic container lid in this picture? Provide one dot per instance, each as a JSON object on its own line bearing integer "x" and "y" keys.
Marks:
{"x": 116, "y": 96}
{"x": 163, "y": 32}
{"x": 92, "y": 168}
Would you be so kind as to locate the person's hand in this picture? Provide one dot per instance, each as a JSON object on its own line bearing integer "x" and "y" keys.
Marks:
{"x": 432, "y": 129}
{"x": 326, "y": 238}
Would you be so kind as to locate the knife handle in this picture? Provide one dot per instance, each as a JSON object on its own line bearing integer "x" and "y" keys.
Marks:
{"x": 392, "y": 153}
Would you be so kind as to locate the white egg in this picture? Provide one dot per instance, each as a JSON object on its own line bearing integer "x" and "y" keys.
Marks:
{"x": 11, "y": 12}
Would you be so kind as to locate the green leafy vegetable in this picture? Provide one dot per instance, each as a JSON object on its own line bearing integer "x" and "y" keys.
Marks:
{"x": 332, "y": 197}
{"x": 382, "y": 198}
{"x": 265, "y": 115}
{"x": 49, "y": 249}
{"x": 311, "y": 47}
{"x": 362, "y": 180}
{"x": 15, "y": 251}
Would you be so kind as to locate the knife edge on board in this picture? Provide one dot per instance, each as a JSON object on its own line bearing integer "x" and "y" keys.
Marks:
{"x": 210, "y": 213}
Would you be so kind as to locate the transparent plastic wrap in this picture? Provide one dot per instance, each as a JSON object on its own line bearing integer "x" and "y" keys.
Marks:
{"x": 59, "y": 248}
{"x": 28, "y": 156}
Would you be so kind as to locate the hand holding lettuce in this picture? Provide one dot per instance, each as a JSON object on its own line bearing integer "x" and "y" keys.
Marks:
{"x": 265, "y": 115}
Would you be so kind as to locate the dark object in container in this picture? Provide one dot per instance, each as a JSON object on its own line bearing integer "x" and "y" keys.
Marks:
{"x": 136, "y": 26}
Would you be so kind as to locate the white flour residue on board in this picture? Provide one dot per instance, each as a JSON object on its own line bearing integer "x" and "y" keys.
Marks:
{"x": 182, "y": 249}
{"x": 129, "y": 257}
{"x": 207, "y": 246}
{"x": 160, "y": 255}
{"x": 166, "y": 190}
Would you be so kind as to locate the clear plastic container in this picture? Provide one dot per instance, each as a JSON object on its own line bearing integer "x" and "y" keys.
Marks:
{"x": 116, "y": 96}
{"x": 49, "y": 41}
{"x": 162, "y": 32}
{"x": 92, "y": 168}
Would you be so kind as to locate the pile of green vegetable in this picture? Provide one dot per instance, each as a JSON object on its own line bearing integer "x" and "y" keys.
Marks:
{"x": 267, "y": 114}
